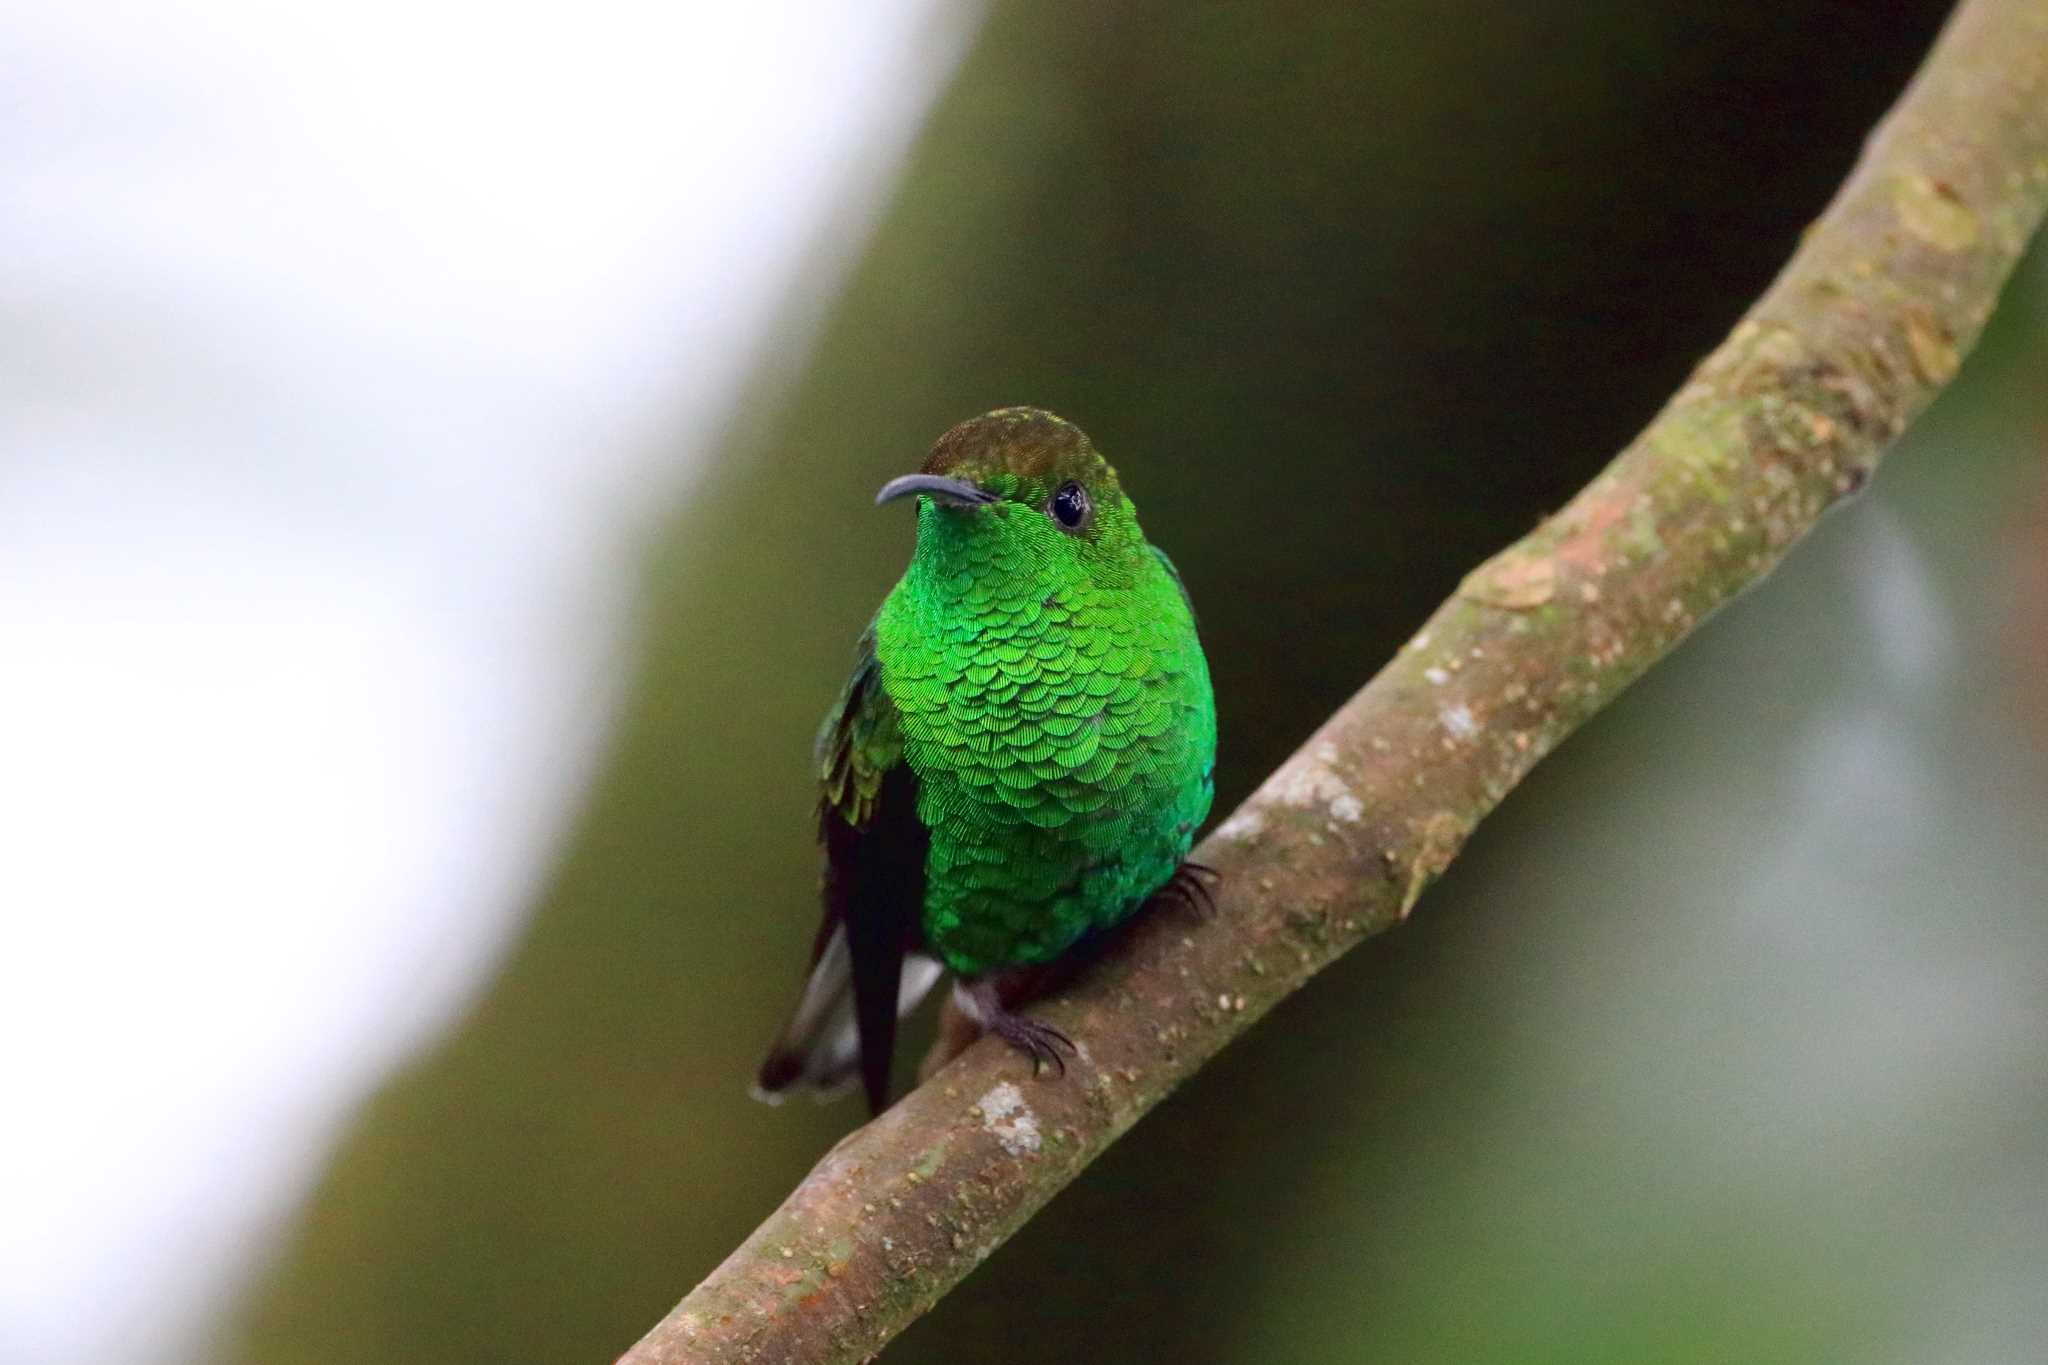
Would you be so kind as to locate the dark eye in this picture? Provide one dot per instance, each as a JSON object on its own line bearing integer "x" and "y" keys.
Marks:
{"x": 1069, "y": 506}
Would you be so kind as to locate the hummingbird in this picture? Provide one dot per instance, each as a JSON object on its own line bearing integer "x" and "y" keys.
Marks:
{"x": 1018, "y": 762}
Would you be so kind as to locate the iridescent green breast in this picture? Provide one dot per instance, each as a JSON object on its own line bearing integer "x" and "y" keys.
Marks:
{"x": 1063, "y": 736}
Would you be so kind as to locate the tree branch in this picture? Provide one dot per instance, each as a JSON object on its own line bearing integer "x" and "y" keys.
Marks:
{"x": 1791, "y": 413}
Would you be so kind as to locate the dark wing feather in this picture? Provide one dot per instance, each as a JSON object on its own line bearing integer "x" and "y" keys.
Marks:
{"x": 874, "y": 848}
{"x": 874, "y": 885}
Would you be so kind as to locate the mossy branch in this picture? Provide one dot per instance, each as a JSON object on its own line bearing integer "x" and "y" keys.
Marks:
{"x": 1790, "y": 414}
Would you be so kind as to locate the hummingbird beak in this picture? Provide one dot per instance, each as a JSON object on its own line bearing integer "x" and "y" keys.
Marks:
{"x": 948, "y": 492}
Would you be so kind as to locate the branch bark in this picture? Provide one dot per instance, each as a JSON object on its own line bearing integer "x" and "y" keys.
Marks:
{"x": 1790, "y": 414}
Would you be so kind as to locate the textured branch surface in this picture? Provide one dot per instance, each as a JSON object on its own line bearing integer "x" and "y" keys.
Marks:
{"x": 1788, "y": 415}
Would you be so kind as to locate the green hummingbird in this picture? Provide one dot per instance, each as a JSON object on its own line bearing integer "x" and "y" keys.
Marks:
{"x": 1019, "y": 761}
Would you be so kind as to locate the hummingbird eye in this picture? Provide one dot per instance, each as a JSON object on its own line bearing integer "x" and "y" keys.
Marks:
{"x": 1069, "y": 506}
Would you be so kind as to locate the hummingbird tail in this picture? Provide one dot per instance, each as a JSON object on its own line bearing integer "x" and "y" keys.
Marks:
{"x": 818, "y": 1050}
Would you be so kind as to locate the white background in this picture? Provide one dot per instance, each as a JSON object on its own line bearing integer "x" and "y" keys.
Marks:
{"x": 338, "y": 347}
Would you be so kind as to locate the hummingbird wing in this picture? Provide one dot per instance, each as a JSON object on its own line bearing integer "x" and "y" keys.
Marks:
{"x": 863, "y": 973}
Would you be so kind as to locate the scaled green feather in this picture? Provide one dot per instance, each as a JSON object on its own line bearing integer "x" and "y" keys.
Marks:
{"x": 1048, "y": 689}
{"x": 859, "y": 741}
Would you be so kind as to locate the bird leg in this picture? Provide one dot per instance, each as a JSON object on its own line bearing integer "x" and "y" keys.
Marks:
{"x": 962, "y": 1011}
{"x": 988, "y": 1003}
{"x": 982, "y": 1000}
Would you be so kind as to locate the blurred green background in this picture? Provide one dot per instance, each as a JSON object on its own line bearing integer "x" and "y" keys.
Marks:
{"x": 1722, "y": 1042}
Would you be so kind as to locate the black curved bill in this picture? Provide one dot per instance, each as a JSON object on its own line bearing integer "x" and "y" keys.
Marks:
{"x": 953, "y": 492}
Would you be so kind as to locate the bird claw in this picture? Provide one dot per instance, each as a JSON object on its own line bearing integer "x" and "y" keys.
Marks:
{"x": 1040, "y": 1041}
{"x": 1193, "y": 885}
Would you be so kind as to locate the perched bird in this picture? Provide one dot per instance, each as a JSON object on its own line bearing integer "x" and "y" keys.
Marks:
{"x": 1019, "y": 760}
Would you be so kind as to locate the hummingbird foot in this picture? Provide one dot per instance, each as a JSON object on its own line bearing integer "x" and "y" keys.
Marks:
{"x": 1041, "y": 1042}
{"x": 1193, "y": 885}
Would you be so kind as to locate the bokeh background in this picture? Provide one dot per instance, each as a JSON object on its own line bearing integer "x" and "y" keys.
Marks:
{"x": 435, "y": 450}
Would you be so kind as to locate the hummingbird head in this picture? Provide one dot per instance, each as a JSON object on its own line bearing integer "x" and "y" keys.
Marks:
{"x": 1023, "y": 480}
